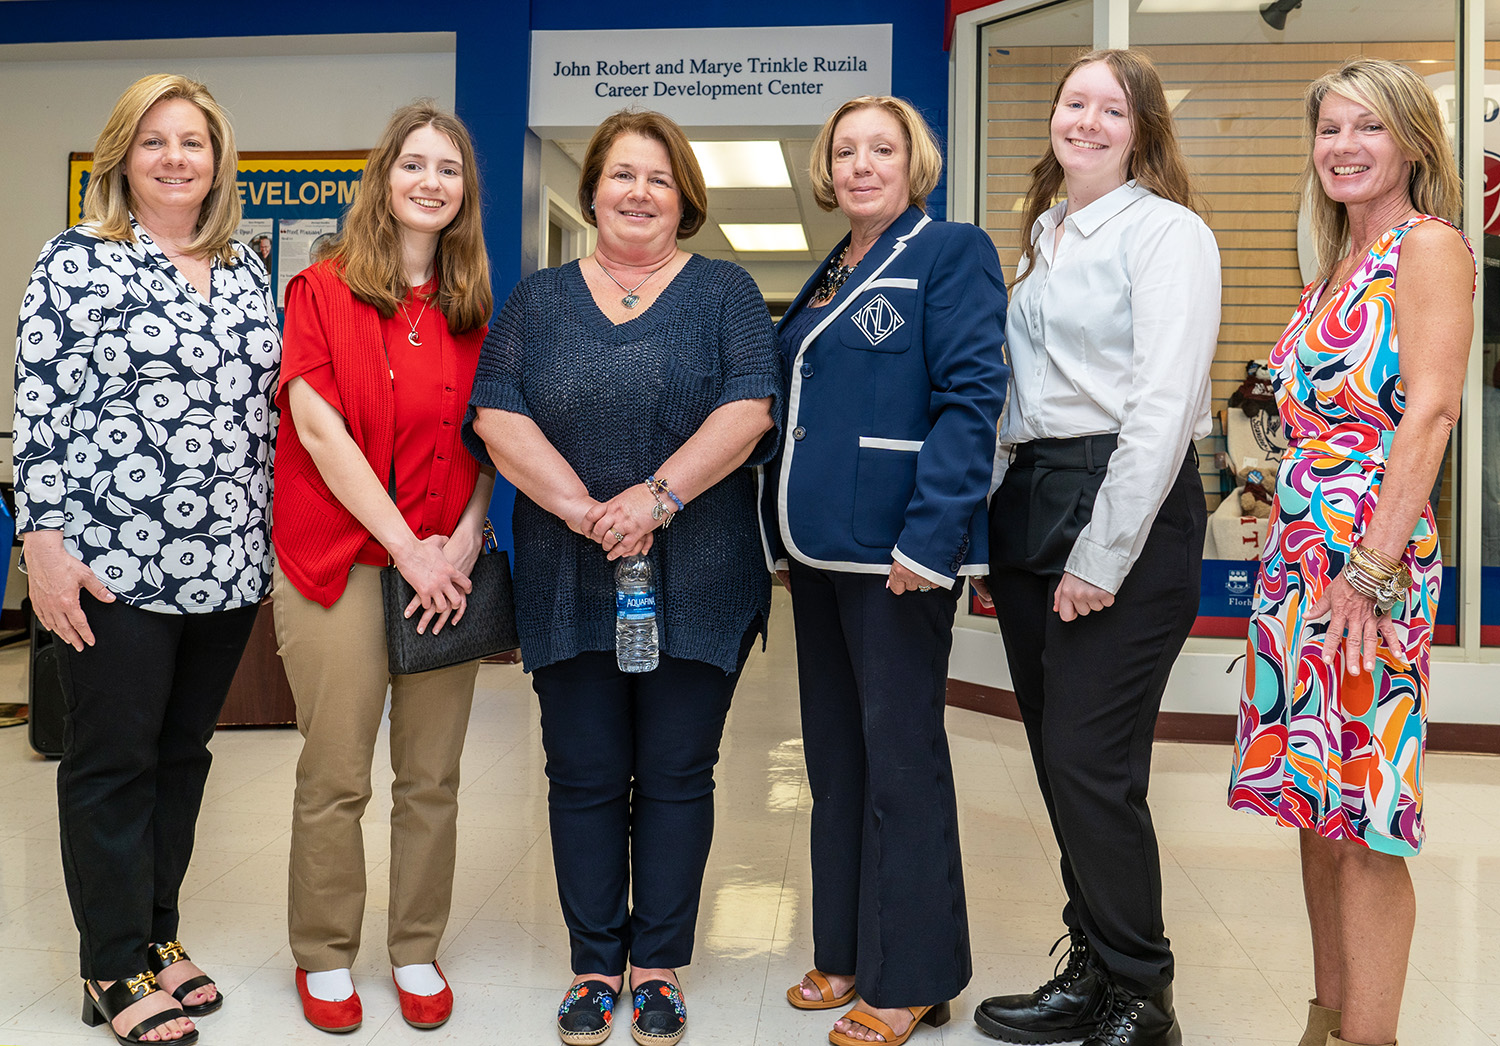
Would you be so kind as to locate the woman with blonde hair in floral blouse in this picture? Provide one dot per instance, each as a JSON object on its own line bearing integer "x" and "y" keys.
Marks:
{"x": 145, "y": 355}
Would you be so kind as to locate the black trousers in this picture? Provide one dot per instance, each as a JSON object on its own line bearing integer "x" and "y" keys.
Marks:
{"x": 1090, "y": 690}
{"x": 630, "y": 772}
{"x": 141, "y": 705}
{"x": 888, "y": 886}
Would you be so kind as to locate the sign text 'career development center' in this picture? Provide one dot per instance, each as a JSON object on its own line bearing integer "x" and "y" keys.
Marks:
{"x": 786, "y": 76}
{"x": 746, "y": 77}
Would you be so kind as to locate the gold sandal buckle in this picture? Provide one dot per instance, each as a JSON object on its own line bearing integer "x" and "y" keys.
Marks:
{"x": 141, "y": 985}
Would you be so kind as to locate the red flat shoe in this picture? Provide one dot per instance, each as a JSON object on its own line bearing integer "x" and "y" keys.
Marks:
{"x": 426, "y": 1011}
{"x": 346, "y": 1015}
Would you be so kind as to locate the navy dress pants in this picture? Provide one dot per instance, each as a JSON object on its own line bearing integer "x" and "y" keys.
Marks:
{"x": 630, "y": 772}
{"x": 888, "y": 887}
{"x": 141, "y": 706}
{"x": 1090, "y": 690}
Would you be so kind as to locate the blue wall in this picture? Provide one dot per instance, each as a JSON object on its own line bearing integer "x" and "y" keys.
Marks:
{"x": 492, "y": 67}
{"x": 492, "y": 60}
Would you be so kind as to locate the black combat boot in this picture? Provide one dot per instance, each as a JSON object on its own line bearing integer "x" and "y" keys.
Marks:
{"x": 1138, "y": 1020}
{"x": 1065, "y": 1009}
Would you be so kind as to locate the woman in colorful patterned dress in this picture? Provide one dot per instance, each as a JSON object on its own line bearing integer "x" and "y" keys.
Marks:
{"x": 1331, "y": 733}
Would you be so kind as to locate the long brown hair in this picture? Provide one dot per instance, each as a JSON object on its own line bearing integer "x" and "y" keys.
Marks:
{"x": 1155, "y": 160}
{"x": 1403, "y": 102}
{"x": 106, "y": 201}
{"x": 367, "y": 251}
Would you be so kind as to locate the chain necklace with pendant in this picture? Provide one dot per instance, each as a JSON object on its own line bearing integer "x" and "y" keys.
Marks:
{"x": 413, "y": 337}
{"x": 631, "y": 300}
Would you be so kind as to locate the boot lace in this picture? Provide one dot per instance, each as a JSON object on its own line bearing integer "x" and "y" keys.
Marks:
{"x": 1119, "y": 1019}
{"x": 1076, "y": 958}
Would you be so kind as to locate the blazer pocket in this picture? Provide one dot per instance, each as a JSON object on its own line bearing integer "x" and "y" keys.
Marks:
{"x": 885, "y": 478}
{"x": 880, "y": 321}
{"x": 687, "y": 398}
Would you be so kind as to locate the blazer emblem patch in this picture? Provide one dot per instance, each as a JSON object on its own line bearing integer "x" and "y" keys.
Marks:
{"x": 878, "y": 319}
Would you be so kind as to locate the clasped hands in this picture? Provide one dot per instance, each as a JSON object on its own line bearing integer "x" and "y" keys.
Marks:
{"x": 622, "y": 526}
{"x": 438, "y": 568}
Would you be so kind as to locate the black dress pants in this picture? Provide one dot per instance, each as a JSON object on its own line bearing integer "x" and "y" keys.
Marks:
{"x": 888, "y": 887}
{"x": 1090, "y": 690}
{"x": 630, "y": 801}
{"x": 141, "y": 706}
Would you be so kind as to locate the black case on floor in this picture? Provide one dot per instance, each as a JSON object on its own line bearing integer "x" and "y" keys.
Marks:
{"x": 44, "y": 692}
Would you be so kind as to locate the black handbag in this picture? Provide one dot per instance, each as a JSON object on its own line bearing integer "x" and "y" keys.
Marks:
{"x": 488, "y": 625}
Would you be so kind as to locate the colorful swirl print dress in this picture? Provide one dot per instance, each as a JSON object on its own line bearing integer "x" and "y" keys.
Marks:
{"x": 1315, "y": 747}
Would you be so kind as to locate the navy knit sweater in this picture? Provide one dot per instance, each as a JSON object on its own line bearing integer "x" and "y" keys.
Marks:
{"x": 616, "y": 402}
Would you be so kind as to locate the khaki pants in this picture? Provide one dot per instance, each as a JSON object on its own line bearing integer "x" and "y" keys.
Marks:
{"x": 335, "y": 659}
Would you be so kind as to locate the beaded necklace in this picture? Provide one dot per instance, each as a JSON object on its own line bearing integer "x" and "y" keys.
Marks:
{"x": 834, "y": 277}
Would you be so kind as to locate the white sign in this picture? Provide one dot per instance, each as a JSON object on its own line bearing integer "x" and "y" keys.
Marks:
{"x": 776, "y": 77}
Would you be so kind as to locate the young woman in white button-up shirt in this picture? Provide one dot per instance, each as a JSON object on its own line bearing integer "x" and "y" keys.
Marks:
{"x": 1096, "y": 530}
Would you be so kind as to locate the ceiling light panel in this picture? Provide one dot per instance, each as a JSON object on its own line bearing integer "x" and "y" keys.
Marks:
{"x": 742, "y": 165}
{"x": 765, "y": 236}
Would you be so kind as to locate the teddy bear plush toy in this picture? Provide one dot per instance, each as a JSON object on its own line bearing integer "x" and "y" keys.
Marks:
{"x": 1254, "y": 442}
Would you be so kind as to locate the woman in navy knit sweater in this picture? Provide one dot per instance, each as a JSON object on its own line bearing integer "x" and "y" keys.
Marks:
{"x": 639, "y": 362}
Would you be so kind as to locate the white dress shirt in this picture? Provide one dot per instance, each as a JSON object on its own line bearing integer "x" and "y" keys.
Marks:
{"x": 1115, "y": 332}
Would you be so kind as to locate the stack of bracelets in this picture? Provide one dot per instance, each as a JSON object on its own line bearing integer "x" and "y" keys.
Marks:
{"x": 661, "y": 513}
{"x": 1377, "y": 576}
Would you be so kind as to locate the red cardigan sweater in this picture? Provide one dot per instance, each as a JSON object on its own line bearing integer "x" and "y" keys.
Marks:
{"x": 317, "y": 538}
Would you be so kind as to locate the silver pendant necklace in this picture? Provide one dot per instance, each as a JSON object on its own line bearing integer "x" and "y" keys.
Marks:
{"x": 630, "y": 300}
{"x": 413, "y": 337}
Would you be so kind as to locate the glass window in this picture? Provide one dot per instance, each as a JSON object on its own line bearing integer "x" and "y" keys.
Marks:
{"x": 1489, "y": 397}
{"x": 1021, "y": 58}
{"x": 1236, "y": 85}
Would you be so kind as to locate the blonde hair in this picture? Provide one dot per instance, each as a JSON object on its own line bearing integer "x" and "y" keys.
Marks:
{"x": 924, "y": 165}
{"x": 107, "y": 202}
{"x": 1155, "y": 161}
{"x": 692, "y": 187}
{"x": 367, "y": 250}
{"x": 1403, "y": 102}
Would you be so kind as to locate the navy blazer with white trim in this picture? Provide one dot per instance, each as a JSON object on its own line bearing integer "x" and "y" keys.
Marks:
{"x": 892, "y": 407}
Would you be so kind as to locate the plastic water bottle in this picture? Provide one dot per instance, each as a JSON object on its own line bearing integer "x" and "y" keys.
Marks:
{"x": 635, "y": 615}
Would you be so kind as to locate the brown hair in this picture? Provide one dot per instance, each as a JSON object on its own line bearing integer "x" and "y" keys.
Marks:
{"x": 106, "y": 201}
{"x": 1403, "y": 102}
{"x": 1155, "y": 160}
{"x": 686, "y": 173}
{"x": 924, "y": 163}
{"x": 367, "y": 251}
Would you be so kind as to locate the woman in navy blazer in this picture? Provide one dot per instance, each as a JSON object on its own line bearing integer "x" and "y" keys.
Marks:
{"x": 894, "y": 358}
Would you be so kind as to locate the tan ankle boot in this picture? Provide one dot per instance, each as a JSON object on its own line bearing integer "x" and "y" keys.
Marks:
{"x": 1334, "y": 1040}
{"x": 1320, "y": 1021}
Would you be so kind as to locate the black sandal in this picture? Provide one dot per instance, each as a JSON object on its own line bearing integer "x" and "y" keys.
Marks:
{"x": 160, "y": 956}
{"x": 110, "y": 1002}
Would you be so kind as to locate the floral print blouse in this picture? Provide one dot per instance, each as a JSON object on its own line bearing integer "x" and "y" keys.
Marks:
{"x": 144, "y": 421}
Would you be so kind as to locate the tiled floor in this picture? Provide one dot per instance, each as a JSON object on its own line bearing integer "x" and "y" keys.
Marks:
{"x": 1232, "y": 893}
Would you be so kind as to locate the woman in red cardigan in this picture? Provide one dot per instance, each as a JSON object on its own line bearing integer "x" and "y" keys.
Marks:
{"x": 382, "y": 338}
